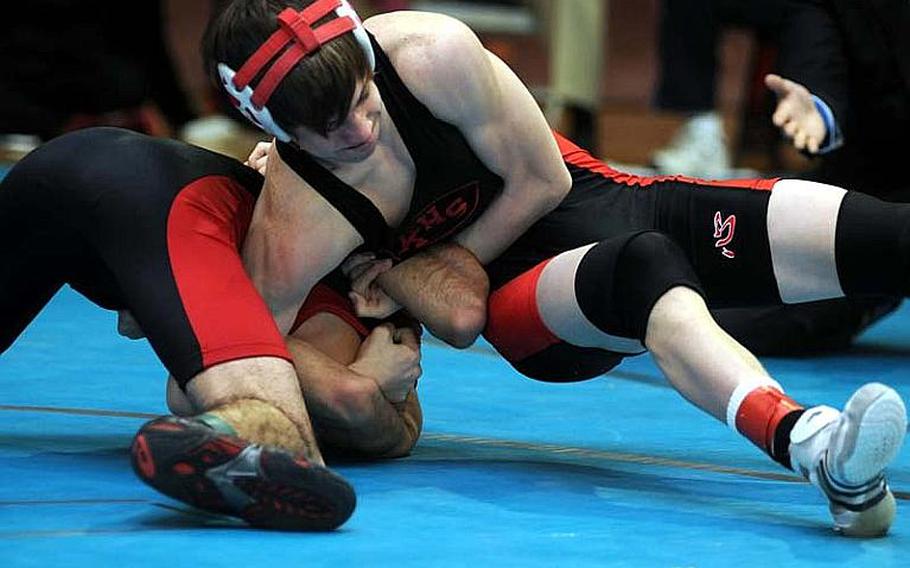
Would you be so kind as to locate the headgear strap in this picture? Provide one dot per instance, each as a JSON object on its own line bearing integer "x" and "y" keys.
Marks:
{"x": 294, "y": 28}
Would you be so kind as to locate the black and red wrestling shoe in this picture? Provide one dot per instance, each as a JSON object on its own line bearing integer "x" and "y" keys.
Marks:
{"x": 265, "y": 486}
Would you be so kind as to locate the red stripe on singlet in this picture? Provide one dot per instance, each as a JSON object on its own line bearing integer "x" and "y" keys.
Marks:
{"x": 325, "y": 299}
{"x": 514, "y": 325}
{"x": 206, "y": 225}
{"x": 580, "y": 157}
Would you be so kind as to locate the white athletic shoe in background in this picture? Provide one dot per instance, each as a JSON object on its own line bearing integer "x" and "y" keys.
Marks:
{"x": 845, "y": 453}
{"x": 699, "y": 149}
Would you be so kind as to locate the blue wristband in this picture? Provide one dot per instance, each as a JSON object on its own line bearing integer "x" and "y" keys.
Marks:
{"x": 833, "y": 137}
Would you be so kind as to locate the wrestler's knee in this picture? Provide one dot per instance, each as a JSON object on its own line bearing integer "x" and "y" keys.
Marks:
{"x": 639, "y": 271}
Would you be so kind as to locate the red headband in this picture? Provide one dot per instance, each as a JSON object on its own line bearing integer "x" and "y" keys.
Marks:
{"x": 295, "y": 28}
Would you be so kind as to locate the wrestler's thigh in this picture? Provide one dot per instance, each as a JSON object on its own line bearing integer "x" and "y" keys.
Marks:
{"x": 184, "y": 282}
{"x": 723, "y": 230}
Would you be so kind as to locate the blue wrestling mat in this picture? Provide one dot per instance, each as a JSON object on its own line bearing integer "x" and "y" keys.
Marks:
{"x": 617, "y": 471}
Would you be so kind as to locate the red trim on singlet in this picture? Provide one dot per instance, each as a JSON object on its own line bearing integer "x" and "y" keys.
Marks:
{"x": 325, "y": 299}
{"x": 514, "y": 326}
{"x": 206, "y": 225}
{"x": 573, "y": 154}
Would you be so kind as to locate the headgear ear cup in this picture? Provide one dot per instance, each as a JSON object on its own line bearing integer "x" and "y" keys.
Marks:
{"x": 294, "y": 28}
{"x": 242, "y": 99}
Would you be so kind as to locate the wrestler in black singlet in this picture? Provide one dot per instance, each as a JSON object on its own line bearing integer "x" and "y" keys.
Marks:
{"x": 136, "y": 223}
{"x": 720, "y": 226}
{"x": 453, "y": 187}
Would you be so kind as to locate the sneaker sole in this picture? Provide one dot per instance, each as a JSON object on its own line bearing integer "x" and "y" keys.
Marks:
{"x": 872, "y": 434}
{"x": 266, "y": 487}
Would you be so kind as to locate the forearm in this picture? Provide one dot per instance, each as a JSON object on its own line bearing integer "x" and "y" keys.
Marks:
{"x": 400, "y": 433}
{"x": 509, "y": 216}
{"x": 445, "y": 288}
{"x": 349, "y": 411}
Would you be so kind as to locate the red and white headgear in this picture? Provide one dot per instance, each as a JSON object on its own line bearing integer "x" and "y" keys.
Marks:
{"x": 294, "y": 28}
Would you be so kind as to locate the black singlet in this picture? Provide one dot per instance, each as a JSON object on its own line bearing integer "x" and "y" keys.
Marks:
{"x": 452, "y": 188}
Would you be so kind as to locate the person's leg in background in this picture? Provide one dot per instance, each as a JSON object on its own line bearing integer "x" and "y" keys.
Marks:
{"x": 687, "y": 81}
{"x": 577, "y": 32}
{"x": 689, "y": 43}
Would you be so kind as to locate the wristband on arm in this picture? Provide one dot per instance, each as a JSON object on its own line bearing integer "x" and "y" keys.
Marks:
{"x": 834, "y": 138}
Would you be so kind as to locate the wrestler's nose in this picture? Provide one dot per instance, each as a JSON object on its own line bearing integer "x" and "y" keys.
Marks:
{"x": 361, "y": 126}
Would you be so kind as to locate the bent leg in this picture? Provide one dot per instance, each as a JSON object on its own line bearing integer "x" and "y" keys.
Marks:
{"x": 641, "y": 288}
{"x": 33, "y": 257}
{"x": 178, "y": 267}
{"x": 843, "y": 453}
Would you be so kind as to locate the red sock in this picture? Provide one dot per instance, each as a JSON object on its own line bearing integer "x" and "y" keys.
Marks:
{"x": 765, "y": 415}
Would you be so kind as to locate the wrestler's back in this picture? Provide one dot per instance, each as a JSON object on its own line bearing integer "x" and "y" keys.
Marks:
{"x": 79, "y": 169}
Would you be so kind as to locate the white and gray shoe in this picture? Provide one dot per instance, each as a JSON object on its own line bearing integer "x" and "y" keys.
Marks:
{"x": 699, "y": 150}
{"x": 845, "y": 453}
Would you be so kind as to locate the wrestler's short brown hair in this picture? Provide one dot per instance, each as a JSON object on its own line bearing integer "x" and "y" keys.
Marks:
{"x": 318, "y": 90}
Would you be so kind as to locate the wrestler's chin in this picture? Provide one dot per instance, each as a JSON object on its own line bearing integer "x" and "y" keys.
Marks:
{"x": 361, "y": 152}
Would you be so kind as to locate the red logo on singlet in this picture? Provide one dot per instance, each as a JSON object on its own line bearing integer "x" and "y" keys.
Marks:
{"x": 723, "y": 232}
{"x": 440, "y": 219}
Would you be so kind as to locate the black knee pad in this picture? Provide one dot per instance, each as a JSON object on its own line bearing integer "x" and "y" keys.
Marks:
{"x": 872, "y": 246}
{"x": 619, "y": 280}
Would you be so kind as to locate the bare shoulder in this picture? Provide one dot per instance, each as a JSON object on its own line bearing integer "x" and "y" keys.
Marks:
{"x": 289, "y": 206}
{"x": 440, "y": 58}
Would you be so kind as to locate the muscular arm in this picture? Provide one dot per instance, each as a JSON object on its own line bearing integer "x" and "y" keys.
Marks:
{"x": 295, "y": 238}
{"x": 445, "y": 288}
{"x": 348, "y": 409}
{"x": 465, "y": 85}
{"x": 515, "y": 142}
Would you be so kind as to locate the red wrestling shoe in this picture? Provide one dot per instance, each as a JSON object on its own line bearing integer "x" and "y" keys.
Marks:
{"x": 265, "y": 486}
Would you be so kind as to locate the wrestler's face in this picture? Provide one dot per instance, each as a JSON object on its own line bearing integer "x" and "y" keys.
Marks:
{"x": 352, "y": 139}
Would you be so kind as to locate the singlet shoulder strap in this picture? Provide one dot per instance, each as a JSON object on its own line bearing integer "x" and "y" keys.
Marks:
{"x": 405, "y": 110}
{"x": 356, "y": 207}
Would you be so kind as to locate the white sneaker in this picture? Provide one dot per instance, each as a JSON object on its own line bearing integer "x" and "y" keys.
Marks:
{"x": 699, "y": 149}
{"x": 845, "y": 453}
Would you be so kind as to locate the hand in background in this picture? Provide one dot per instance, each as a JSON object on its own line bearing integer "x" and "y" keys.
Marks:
{"x": 796, "y": 114}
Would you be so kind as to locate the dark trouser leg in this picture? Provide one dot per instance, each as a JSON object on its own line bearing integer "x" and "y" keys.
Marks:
{"x": 688, "y": 59}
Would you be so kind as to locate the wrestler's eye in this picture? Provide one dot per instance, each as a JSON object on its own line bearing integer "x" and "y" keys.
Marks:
{"x": 335, "y": 123}
{"x": 364, "y": 94}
